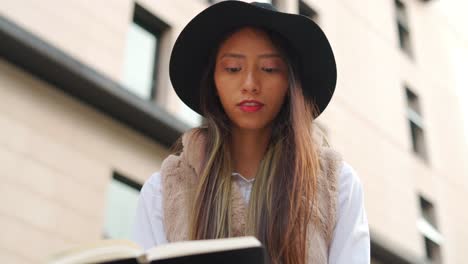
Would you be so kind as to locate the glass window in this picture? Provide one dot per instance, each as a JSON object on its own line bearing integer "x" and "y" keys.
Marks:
{"x": 375, "y": 260}
{"x": 140, "y": 60}
{"x": 122, "y": 198}
{"x": 428, "y": 211}
{"x": 306, "y": 10}
{"x": 416, "y": 123}
{"x": 142, "y": 52}
{"x": 427, "y": 225}
{"x": 432, "y": 251}
{"x": 265, "y": 1}
{"x": 384, "y": 252}
{"x": 260, "y": 1}
{"x": 403, "y": 27}
{"x": 417, "y": 138}
{"x": 413, "y": 101}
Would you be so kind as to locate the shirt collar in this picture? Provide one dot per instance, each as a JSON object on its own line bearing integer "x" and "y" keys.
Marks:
{"x": 243, "y": 178}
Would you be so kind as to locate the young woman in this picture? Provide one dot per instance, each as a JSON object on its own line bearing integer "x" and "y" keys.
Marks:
{"x": 256, "y": 167}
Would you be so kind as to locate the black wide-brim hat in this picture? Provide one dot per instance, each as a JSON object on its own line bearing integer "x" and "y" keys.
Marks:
{"x": 191, "y": 51}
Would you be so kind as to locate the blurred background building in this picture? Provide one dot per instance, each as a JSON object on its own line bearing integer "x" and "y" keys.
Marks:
{"x": 88, "y": 114}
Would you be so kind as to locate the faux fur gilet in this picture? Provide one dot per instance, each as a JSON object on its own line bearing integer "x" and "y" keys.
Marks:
{"x": 179, "y": 178}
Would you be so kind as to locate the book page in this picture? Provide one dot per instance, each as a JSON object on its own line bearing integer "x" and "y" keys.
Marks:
{"x": 99, "y": 251}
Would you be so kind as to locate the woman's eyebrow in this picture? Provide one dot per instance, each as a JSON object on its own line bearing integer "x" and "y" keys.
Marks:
{"x": 270, "y": 55}
{"x": 233, "y": 55}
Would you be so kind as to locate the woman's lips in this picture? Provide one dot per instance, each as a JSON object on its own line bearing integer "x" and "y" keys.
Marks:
{"x": 250, "y": 106}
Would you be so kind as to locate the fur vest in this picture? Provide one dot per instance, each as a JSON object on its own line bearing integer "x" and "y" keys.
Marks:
{"x": 179, "y": 178}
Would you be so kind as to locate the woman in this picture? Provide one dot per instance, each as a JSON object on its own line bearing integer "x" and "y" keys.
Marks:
{"x": 256, "y": 167}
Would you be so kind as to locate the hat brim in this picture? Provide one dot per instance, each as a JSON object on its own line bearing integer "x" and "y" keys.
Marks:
{"x": 190, "y": 54}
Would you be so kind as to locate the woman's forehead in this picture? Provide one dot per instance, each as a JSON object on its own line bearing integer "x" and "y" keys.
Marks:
{"x": 249, "y": 30}
{"x": 247, "y": 39}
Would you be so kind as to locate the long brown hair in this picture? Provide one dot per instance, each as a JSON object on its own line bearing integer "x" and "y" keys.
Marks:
{"x": 283, "y": 195}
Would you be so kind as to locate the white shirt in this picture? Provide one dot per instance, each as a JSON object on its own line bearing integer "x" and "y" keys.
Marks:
{"x": 351, "y": 240}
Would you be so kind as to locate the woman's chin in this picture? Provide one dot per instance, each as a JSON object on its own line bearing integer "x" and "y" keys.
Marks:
{"x": 251, "y": 125}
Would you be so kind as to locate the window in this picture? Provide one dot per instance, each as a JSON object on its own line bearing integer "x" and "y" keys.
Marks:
{"x": 306, "y": 10}
{"x": 385, "y": 252}
{"x": 375, "y": 260}
{"x": 403, "y": 27}
{"x": 141, "y": 55}
{"x": 427, "y": 225}
{"x": 261, "y": 1}
{"x": 416, "y": 124}
{"x": 122, "y": 198}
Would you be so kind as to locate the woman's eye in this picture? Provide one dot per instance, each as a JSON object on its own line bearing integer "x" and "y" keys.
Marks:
{"x": 232, "y": 69}
{"x": 269, "y": 70}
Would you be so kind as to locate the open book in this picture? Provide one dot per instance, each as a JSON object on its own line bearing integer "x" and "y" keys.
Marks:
{"x": 243, "y": 250}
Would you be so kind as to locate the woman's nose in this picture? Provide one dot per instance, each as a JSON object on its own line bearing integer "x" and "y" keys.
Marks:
{"x": 251, "y": 83}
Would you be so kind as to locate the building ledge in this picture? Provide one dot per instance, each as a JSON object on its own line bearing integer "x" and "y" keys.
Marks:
{"x": 46, "y": 62}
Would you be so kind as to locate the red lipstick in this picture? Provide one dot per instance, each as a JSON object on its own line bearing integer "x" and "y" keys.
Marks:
{"x": 250, "y": 106}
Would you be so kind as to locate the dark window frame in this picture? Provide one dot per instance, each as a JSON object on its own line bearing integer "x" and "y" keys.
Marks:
{"x": 273, "y": 2}
{"x": 306, "y": 10}
{"x": 432, "y": 250}
{"x": 417, "y": 135}
{"x": 117, "y": 176}
{"x": 416, "y": 126}
{"x": 385, "y": 251}
{"x": 155, "y": 26}
{"x": 126, "y": 180}
{"x": 428, "y": 213}
{"x": 404, "y": 33}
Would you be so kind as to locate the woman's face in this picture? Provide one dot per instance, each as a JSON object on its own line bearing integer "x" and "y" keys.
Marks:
{"x": 251, "y": 78}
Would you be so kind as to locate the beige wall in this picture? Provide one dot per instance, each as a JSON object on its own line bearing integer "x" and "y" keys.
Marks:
{"x": 56, "y": 145}
{"x": 57, "y": 159}
{"x": 367, "y": 120}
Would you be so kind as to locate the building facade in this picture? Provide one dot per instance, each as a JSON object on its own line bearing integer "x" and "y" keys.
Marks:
{"x": 88, "y": 114}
